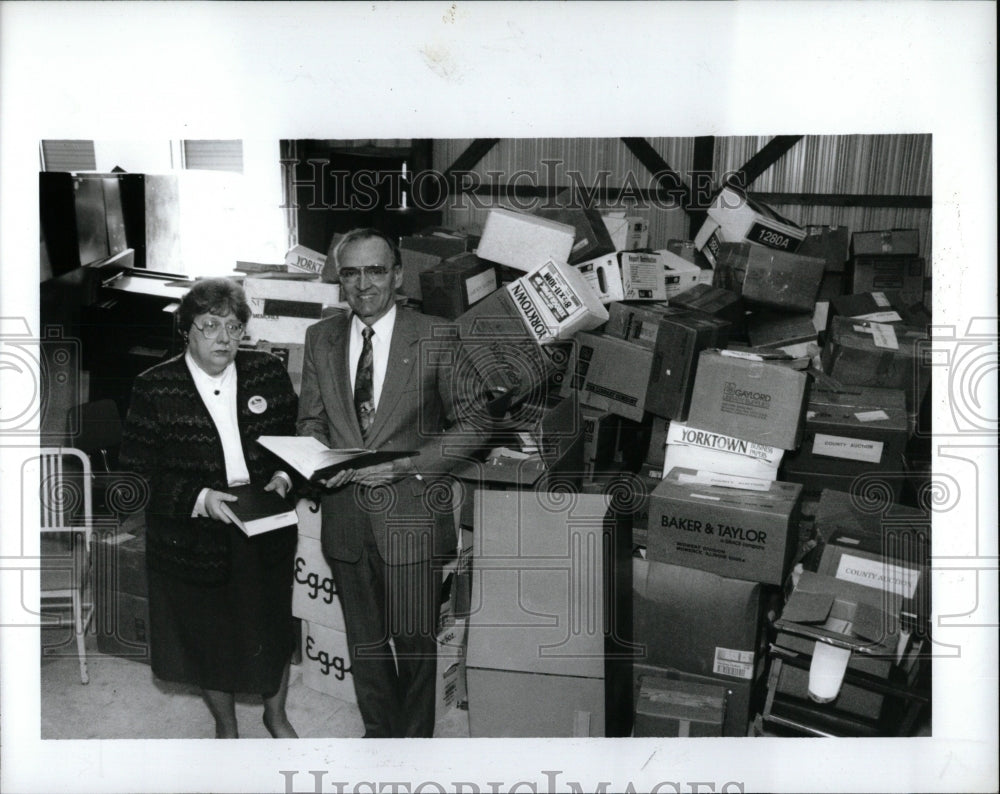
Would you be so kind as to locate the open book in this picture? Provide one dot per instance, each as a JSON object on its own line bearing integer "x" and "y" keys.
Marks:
{"x": 316, "y": 461}
{"x": 258, "y": 510}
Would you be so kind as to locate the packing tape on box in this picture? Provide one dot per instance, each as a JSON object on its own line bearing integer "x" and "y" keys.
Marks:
{"x": 826, "y": 672}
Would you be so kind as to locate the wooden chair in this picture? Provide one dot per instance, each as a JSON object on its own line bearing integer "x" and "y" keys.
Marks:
{"x": 66, "y": 526}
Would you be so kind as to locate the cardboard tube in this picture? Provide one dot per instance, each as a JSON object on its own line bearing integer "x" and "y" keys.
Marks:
{"x": 826, "y": 673}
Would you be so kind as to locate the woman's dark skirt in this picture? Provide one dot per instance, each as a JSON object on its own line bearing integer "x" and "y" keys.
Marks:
{"x": 235, "y": 637}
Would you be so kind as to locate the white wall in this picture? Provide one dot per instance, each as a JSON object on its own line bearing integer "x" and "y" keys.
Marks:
{"x": 223, "y": 216}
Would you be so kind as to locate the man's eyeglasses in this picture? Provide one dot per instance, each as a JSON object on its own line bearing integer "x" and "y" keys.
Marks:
{"x": 374, "y": 272}
{"x": 212, "y": 328}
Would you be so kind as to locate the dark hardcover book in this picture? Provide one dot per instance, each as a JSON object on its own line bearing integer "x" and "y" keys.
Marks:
{"x": 260, "y": 511}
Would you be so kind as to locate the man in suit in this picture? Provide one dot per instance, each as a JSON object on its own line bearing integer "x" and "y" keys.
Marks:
{"x": 385, "y": 378}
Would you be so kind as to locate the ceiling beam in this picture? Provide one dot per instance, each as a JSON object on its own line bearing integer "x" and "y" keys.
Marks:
{"x": 666, "y": 176}
{"x": 468, "y": 159}
{"x": 773, "y": 151}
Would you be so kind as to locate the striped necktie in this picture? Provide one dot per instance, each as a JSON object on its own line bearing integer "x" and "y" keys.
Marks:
{"x": 364, "y": 391}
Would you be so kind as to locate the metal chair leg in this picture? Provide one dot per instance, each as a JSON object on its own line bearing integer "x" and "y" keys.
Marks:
{"x": 78, "y": 627}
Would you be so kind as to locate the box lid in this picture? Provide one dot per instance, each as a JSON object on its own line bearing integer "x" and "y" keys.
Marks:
{"x": 779, "y": 499}
{"x": 681, "y": 700}
{"x": 878, "y": 411}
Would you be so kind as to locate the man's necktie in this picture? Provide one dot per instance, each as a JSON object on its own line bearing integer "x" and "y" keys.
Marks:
{"x": 364, "y": 392}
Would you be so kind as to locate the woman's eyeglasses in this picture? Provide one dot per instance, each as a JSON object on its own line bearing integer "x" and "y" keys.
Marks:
{"x": 212, "y": 328}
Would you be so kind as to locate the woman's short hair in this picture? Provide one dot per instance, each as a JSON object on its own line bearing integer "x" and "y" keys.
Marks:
{"x": 219, "y": 296}
{"x": 357, "y": 235}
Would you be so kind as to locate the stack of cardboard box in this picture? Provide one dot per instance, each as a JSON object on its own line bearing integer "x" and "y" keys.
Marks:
{"x": 665, "y": 419}
{"x": 326, "y": 665}
{"x": 846, "y": 660}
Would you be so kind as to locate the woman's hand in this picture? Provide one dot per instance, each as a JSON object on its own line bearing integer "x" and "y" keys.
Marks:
{"x": 216, "y": 507}
{"x": 279, "y": 484}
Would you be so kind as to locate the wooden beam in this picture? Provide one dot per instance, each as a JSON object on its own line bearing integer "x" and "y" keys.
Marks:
{"x": 657, "y": 166}
{"x": 473, "y": 153}
{"x": 773, "y": 151}
{"x": 669, "y": 198}
{"x": 846, "y": 200}
{"x": 702, "y": 165}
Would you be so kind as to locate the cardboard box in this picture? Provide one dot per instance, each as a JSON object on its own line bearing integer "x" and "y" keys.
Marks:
{"x": 314, "y": 593}
{"x": 709, "y": 240}
{"x": 882, "y": 355}
{"x": 556, "y": 436}
{"x": 896, "y": 565}
{"x": 604, "y": 276}
{"x": 637, "y": 322}
{"x": 681, "y": 339}
{"x": 119, "y": 562}
{"x": 898, "y": 534}
{"x": 853, "y": 700}
{"x": 770, "y": 278}
{"x": 281, "y": 311}
{"x": 301, "y": 259}
{"x": 748, "y": 399}
{"x": 793, "y": 333}
{"x": 851, "y": 432}
{"x": 687, "y": 250}
{"x": 839, "y": 511}
{"x": 509, "y": 703}
{"x": 743, "y": 218}
{"x": 122, "y": 625}
{"x": 703, "y": 450}
{"x": 642, "y": 276}
{"x": 292, "y": 355}
{"x": 743, "y": 534}
{"x": 551, "y": 577}
{"x": 722, "y": 303}
{"x": 600, "y": 437}
{"x": 656, "y": 450}
{"x": 802, "y": 647}
{"x": 627, "y": 233}
{"x": 457, "y": 284}
{"x": 524, "y": 242}
{"x": 905, "y": 242}
{"x": 829, "y": 243}
{"x": 671, "y": 601}
{"x": 679, "y": 275}
{"x": 507, "y": 333}
{"x": 832, "y": 285}
{"x": 326, "y": 664}
{"x": 904, "y": 274}
{"x": 844, "y": 614}
{"x": 879, "y": 307}
{"x": 310, "y": 519}
{"x": 442, "y": 246}
{"x": 679, "y": 708}
{"x": 610, "y": 374}
{"x": 590, "y": 236}
{"x": 553, "y": 302}
{"x": 414, "y": 263}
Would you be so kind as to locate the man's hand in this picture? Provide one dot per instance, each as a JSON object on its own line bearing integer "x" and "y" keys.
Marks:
{"x": 383, "y": 473}
{"x": 342, "y": 477}
{"x": 216, "y": 507}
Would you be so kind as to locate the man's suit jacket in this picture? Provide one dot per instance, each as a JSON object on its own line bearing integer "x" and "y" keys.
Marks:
{"x": 171, "y": 440}
{"x": 426, "y": 390}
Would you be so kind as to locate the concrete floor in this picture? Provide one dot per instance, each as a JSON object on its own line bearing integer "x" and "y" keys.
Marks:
{"x": 124, "y": 701}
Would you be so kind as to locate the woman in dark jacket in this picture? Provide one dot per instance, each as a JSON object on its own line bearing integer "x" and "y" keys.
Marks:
{"x": 219, "y": 601}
